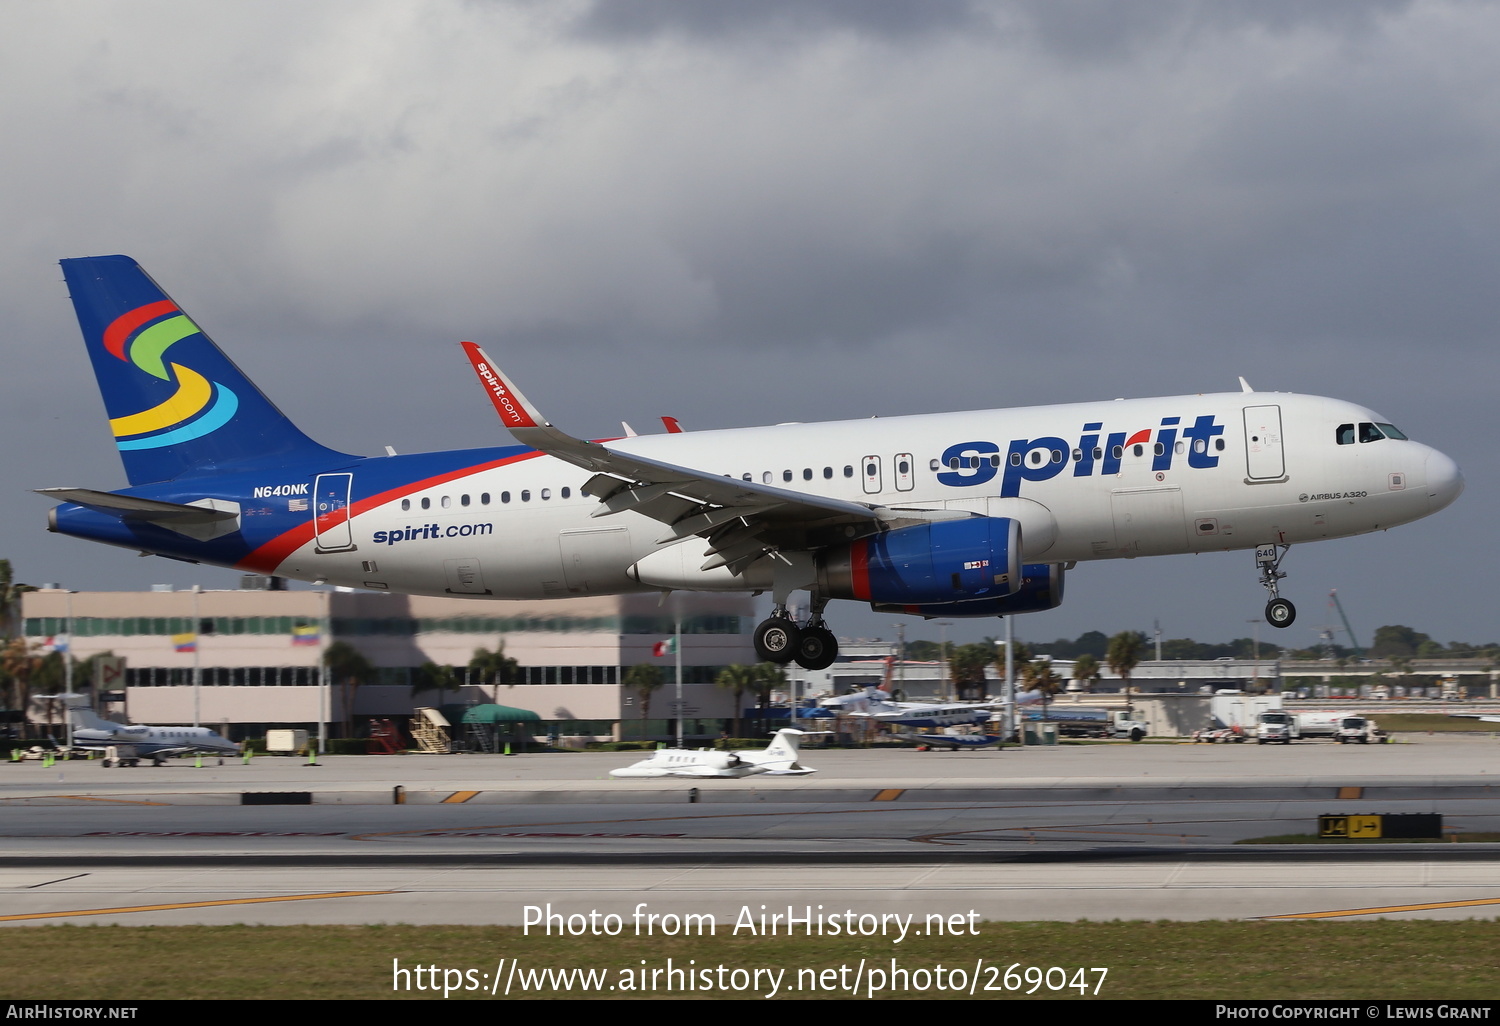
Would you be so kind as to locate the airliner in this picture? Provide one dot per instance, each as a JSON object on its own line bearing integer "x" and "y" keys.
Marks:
{"x": 941, "y": 515}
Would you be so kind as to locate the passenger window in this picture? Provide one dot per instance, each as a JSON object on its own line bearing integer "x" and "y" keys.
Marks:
{"x": 1117, "y": 451}
{"x": 1137, "y": 449}
{"x": 546, "y": 493}
{"x": 827, "y": 473}
{"x": 447, "y": 502}
{"x": 953, "y": 463}
{"x": 848, "y": 470}
{"x": 484, "y": 498}
{"x": 505, "y": 496}
{"x": 463, "y": 500}
{"x": 1219, "y": 444}
{"x": 765, "y": 477}
{"x": 405, "y": 505}
{"x": 1199, "y": 445}
{"x": 1159, "y": 449}
{"x": 807, "y": 473}
{"x": 1015, "y": 459}
{"x": 565, "y": 493}
{"x": 786, "y": 475}
{"x": 1344, "y": 435}
{"x": 426, "y": 503}
{"x": 994, "y": 459}
{"x": 1098, "y": 452}
{"x": 934, "y": 465}
{"x": 1057, "y": 456}
{"x": 525, "y": 495}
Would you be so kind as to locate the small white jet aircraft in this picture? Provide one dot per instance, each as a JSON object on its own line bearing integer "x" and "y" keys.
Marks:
{"x": 154, "y": 743}
{"x": 875, "y": 704}
{"x": 943, "y": 515}
{"x": 778, "y": 759}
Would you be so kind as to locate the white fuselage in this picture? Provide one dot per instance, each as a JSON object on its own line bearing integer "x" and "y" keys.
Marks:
{"x": 1086, "y": 481}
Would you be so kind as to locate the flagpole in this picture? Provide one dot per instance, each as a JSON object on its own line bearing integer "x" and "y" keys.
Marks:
{"x": 677, "y": 644}
{"x": 197, "y": 671}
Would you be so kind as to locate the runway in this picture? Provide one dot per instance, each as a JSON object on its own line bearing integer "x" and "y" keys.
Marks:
{"x": 1098, "y": 832}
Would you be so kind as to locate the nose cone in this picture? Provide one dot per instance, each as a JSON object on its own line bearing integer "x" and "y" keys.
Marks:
{"x": 1444, "y": 482}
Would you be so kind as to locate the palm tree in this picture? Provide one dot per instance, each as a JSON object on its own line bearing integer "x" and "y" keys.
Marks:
{"x": 19, "y": 661}
{"x": 645, "y": 680}
{"x": 10, "y": 599}
{"x": 966, "y": 664}
{"x": 493, "y": 667}
{"x": 1086, "y": 671}
{"x": 768, "y": 678}
{"x": 736, "y": 679}
{"x": 348, "y": 665}
{"x": 1123, "y": 656}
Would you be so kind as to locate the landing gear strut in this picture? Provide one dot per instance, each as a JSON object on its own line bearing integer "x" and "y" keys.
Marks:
{"x": 812, "y": 645}
{"x": 1279, "y": 611}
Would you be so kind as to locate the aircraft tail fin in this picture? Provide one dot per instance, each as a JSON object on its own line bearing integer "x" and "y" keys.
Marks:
{"x": 176, "y": 404}
{"x": 787, "y": 743}
{"x": 85, "y": 718}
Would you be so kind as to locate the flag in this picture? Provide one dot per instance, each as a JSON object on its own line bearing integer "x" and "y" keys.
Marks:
{"x": 185, "y": 642}
{"x": 665, "y": 648}
{"x": 56, "y": 643}
{"x": 305, "y": 634}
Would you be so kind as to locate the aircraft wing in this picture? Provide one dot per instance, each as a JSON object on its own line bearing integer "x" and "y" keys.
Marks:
{"x": 742, "y": 520}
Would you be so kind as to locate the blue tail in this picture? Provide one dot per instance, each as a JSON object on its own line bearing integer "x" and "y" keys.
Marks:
{"x": 176, "y": 404}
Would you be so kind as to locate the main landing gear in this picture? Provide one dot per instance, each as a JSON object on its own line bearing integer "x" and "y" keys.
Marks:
{"x": 779, "y": 639}
{"x": 1279, "y": 611}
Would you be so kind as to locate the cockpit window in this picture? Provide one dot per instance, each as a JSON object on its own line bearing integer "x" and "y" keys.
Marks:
{"x": 1391, "y": 431}
{"x": 1345, "y": 434}
{"x": 1369, "y": 433}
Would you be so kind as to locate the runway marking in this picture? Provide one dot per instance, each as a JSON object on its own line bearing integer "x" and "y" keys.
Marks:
{"x": 890, "y": 794}
{"x": 458, "y": 797}
{"x": 1351, "y": 792}
{"x": 192, "y": 904}
{"x": 90, "y": 798}
{"x": 1386, "y": 908}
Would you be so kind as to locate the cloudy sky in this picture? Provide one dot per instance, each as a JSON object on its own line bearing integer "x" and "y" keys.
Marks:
{"x": 741, "y": 213}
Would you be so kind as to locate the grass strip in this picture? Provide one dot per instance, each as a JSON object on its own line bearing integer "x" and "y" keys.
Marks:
{"x": 1229, "y": 960}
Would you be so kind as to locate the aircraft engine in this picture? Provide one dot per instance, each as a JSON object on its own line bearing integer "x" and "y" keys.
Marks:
{"x": 940, "y": 562}
{"x": 1041, "y": 588}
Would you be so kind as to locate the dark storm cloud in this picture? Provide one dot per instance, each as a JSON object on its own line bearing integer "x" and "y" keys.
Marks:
{"x": 707, "y": 20}
{"x": 750, "y": 212}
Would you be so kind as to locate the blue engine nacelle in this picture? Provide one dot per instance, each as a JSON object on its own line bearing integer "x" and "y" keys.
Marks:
{"x": 946, "y": 561}
{"x": 1041, "y": 588}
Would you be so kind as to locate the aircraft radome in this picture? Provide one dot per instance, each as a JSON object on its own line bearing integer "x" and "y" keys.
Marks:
{"x": 949, "y": 514}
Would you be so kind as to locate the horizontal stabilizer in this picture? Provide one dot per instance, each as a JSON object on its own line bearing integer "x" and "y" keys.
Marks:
{"x": 205, "y": 519}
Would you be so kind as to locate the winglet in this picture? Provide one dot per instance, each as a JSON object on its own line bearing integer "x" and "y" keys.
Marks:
{"x": 514, "y": 408}
{"x": 1245, "y": 385}
{"x": 673, "y": 428}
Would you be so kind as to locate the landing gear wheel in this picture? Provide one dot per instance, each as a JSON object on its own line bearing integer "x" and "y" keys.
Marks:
{"x": 817, "y": 648}
{"x": 777, "y": 640}
{"x": 1280, "y": 612}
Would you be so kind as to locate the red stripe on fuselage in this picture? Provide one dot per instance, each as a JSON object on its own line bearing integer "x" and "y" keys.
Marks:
{"x": 859, "y": 569}
{"x": 120, "y": 328}
{"x": 270, "y": 556}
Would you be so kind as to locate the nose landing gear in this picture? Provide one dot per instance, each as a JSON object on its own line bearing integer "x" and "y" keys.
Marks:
{"x": 1279, "y": 611}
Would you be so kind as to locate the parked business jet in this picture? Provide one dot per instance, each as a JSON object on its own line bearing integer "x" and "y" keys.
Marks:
{"x": 779, "y": 758}
{"x": 154, "y": 743}
{"x": 876, "y": 704}
{"x": 955, "y": 514}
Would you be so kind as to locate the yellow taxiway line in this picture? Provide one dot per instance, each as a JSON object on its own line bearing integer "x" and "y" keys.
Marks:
{"x": 191, "y": 904}
{"x": 1383, "y": 909}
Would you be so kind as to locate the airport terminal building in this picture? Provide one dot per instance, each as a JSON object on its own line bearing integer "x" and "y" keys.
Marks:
{"x": 259, "y": 655}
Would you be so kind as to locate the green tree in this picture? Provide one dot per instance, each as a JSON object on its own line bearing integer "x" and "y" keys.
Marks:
{"x": 966, "y": 665}
{"x": 1086, "y": 671}
{"x": 769, "y": 677}
{"x": 645, "y": 680}
{"x": 1123, "y": 656}
{"x": 737, "y": 679}
{"x": 493, "y": 667}
{"x": 348, "y": 667}
{"x": 432, "y": 677}
{"x": 10, "y": 600}
{"x": 1038, "y": 675}
{"x": 18, "y": 661}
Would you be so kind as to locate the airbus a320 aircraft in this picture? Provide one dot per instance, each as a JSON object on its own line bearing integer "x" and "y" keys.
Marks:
{"x": 953, "y": 514}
